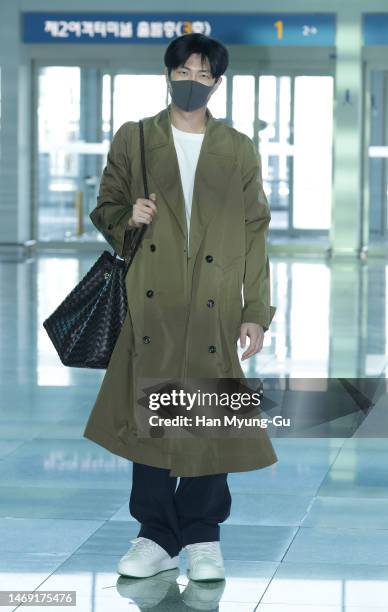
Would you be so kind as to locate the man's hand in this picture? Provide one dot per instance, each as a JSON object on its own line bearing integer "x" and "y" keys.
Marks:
{"x": 143, "y": 211}
{"x": 256, "y": 339}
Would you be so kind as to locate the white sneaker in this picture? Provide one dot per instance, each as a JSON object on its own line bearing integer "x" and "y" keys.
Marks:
{"x": 205, "y": 561}
{"x": 145, "y": 558}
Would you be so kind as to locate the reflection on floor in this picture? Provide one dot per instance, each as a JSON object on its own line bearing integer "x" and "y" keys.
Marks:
{"x": 308, "y": 533}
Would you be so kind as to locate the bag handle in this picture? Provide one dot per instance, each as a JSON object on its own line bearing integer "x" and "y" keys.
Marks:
{"x": 139, "y": 231}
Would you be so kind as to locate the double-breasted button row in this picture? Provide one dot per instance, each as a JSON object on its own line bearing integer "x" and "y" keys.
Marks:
{"x": 210, "y": 303}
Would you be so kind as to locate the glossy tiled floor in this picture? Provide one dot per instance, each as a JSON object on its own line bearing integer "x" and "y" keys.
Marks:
{"x": 307, "y": 534}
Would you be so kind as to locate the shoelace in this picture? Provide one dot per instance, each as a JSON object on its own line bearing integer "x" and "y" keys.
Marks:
{"x": 141, "y": 546}
{"x": 204, "y": 549}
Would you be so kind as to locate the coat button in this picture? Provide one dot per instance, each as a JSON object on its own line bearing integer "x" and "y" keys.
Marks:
{"x": 153, "y": 247}
{"x": 149, "y": 293}
{"x": 146, "y": 339}
{"x": 110, "y": 226}
{"x": 211, "y": 348}
{"x": 209, "y": 258}
{"x": 210, "y": 303}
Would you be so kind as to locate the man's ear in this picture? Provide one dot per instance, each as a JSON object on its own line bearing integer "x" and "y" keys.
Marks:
{"x": 217, "y": 84}
{"x": 167, "y": 78}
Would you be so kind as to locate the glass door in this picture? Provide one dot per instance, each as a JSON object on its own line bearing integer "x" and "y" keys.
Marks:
{"x": 59, "y": 125}
{"x": 377, "y": 155}
{"x": 71, "y": 151}
{"x": 290, "y": 119}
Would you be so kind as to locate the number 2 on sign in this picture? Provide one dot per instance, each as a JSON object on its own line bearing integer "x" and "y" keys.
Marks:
{"x": 279, "y": 26}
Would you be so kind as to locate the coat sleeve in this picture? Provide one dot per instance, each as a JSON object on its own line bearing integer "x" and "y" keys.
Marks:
{"x": 114, "y": 207}
{"x": 257, "y": 284}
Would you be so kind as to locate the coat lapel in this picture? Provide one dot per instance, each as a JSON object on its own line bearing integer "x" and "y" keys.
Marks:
{"x": 213, "y": 168}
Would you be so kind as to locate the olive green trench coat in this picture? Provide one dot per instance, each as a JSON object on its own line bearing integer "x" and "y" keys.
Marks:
{"x": 170, "y": 330}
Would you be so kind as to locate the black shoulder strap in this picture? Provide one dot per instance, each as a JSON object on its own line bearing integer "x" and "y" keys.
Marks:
{"x": 139, "y": 232}
{"x": 143, "y": 166}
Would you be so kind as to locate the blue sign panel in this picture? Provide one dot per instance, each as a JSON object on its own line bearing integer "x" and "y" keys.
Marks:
{"x": 375, "y": 28}
{"x": 277, "y": 29}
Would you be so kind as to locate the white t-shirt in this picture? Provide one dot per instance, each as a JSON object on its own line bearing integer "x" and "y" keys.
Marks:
{"x": 188, "y": 147}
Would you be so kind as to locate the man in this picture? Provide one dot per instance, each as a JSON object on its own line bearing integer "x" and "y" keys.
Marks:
{"x": 206, "y": 234}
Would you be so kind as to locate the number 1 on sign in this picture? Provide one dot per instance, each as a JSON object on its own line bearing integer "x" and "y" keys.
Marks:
{"x": 279, "y": 26}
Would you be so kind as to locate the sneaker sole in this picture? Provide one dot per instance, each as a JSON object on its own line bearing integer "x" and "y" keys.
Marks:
{"x": 168, "y": 564}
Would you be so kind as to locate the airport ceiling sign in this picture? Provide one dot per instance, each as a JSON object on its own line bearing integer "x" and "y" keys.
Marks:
{"x": 375, "y": 29}
{"x": 277, "y": 29}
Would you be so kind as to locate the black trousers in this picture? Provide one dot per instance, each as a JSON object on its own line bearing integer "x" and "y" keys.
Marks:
{"x": 176, "y": 517}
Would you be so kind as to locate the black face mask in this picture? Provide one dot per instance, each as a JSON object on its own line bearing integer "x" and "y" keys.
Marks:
{"x": 189, "y": 94}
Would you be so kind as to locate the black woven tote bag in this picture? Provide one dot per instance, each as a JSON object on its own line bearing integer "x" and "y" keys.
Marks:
{"x": 85, "y": 326}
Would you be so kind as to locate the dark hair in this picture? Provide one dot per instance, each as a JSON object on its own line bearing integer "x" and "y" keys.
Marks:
{"x": 182, "y": 47}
